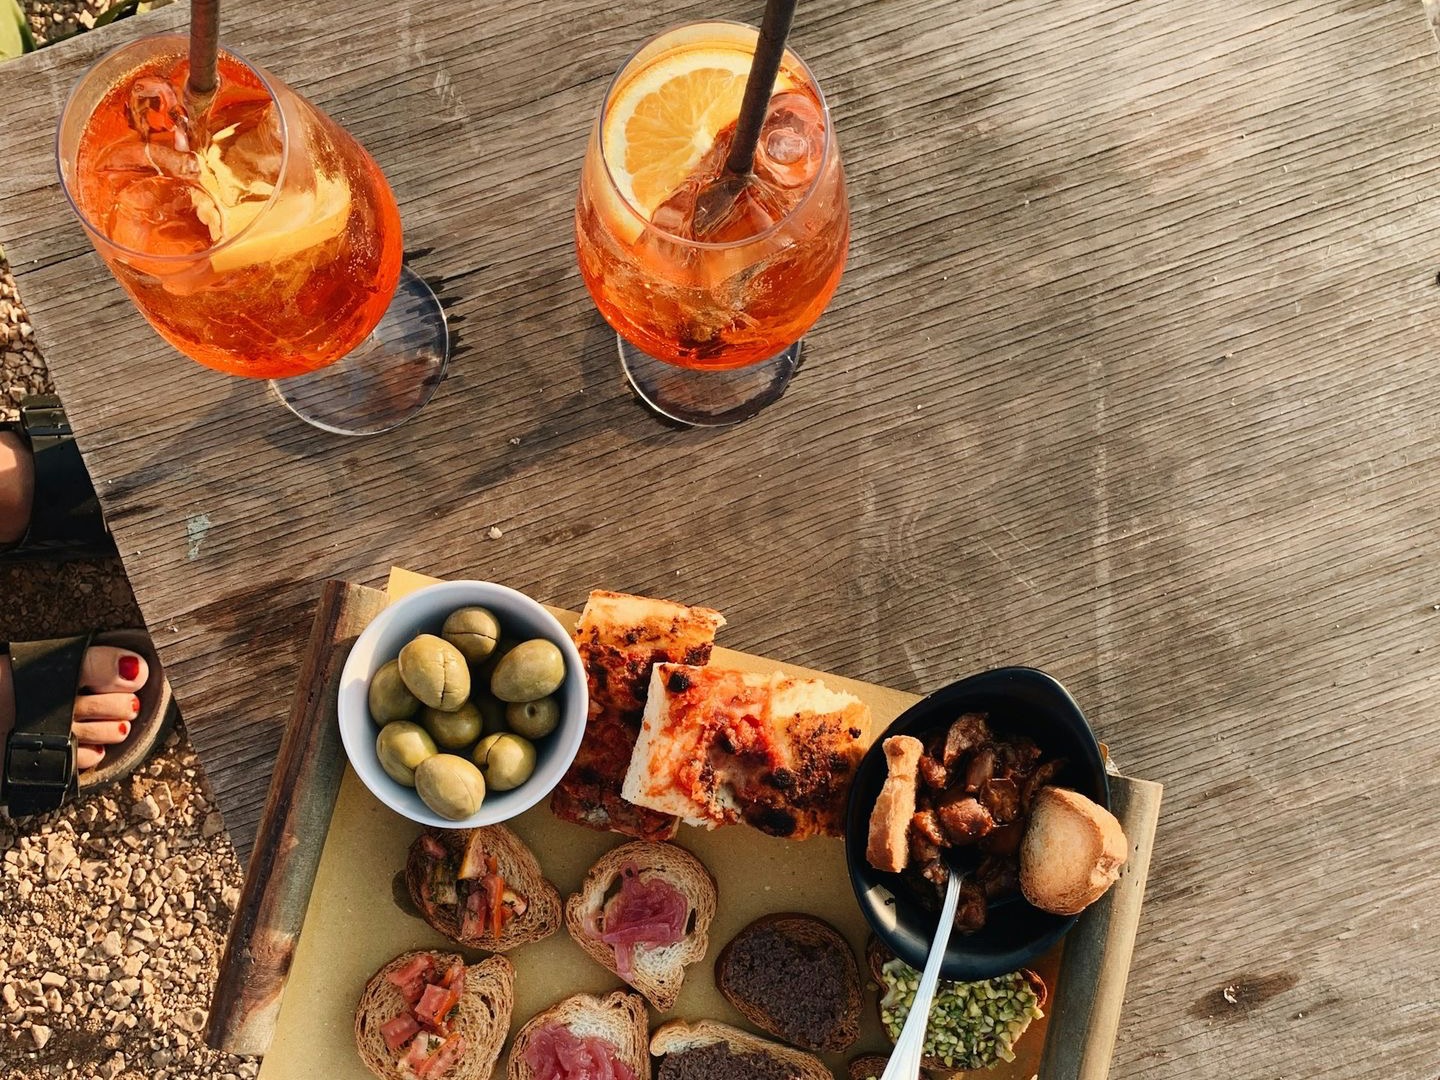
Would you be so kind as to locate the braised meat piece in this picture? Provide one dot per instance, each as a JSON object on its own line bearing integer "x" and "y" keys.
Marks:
{"x": 922, "y": 850}
{"x": 1001, "y": 796}
{"x": 981, "y": 767}
{"x": 1017, "y": 754}
{"x": 1038, "y": 779}
{"x": 933, "y": 774}
{"x": 1003, "y": 839}
{"x": 936, "y": 872}
{"x": 970, "y": 912}
{"x": 927, "y": 825}
{"x": 962, "y": 819}
{"x": 997, "y": 876}
{"x": 965, "y": 734}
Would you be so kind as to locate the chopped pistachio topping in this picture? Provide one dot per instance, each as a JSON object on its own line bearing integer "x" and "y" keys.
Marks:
{"x": 972, "y": 1025}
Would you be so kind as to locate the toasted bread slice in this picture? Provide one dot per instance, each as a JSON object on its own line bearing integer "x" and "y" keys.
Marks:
{"x": 438, "y": 855}
{"x": 657, "y": 971}
{"x": 764, "y": 748}
{"x": 618, "y": 1019}
{"x": 795, "y": 977}
{"x": 620, "y": 638}
{"x": 1072, "y": 851}
{"x": 868, "y": 1067}
{"x": 888, "y": 845}
{"x": 482, "y": 1018}
{"x": 707, "y": 1050}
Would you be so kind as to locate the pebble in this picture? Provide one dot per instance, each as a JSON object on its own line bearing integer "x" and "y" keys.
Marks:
{"x": 58, "y": 860}
{"x": 112, "y": 918}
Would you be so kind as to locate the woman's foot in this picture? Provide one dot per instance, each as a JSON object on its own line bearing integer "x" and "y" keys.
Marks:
{"x": 17, "y": 487}
{"x": 106, "y": 702}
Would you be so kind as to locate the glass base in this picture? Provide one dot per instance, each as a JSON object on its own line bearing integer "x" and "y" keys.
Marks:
{"x": 387, "y": 378}
{"x": 707, "y": 398}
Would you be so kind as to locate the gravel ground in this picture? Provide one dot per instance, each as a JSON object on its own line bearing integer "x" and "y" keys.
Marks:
{"x": 113, "y": 911}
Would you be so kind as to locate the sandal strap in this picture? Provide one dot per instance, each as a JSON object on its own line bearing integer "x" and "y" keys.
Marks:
{"x": 66, "y": 510}
{"x": 40, "y": 771}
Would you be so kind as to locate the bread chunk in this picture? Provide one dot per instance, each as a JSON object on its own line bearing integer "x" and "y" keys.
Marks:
{"x": 712, "y": 1051}
{"x": 481, "y": 1019}
{"x": 656, "y": 971}
{"x": 620, "y": 638}
{"x": 794, "y": 977}
{"x": 887, "y": 847}
{"x": 619, "y": 1019}
{"x": 1072, "y": 852}
{"x": 764, "y": 748}
{"x": 446, "y": 873}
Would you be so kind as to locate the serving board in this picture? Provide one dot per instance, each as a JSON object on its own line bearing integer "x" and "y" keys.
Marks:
{"x": 356, "y": 920}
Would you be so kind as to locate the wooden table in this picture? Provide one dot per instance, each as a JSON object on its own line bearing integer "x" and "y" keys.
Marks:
{"x": 1130, "y": 376}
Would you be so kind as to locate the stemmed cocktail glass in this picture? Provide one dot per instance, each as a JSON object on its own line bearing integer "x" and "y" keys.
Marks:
{"x": 259, "y": 239}
{"x": 709, "y": 307}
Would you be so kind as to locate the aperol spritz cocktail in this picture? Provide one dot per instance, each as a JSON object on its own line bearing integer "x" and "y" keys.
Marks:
{"x": 712, "y": 303}
{"x": 259, "y": 239}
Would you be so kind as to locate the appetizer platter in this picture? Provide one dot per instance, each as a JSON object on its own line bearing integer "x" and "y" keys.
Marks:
{"x": 665, "y": 908}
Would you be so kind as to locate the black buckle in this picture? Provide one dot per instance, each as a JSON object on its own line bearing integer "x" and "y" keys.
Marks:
{"x": 39, "y": 771}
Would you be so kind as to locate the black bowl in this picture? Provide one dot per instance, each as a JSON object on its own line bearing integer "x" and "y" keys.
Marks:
{"x": 1019, "y": 701}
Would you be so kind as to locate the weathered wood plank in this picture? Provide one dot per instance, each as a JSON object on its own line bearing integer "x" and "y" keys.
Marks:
{"x": 303, "y": 788}
{"x": 1129, "y": 377}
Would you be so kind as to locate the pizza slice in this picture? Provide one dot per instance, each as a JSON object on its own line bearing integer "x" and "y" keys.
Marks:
{"x": 620, "y": 638}
{"x": 764, "y": 748}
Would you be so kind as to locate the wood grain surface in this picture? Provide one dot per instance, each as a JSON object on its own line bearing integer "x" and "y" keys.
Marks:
{"x": 1130, "y": 377}
{"x": 306, "y": 779}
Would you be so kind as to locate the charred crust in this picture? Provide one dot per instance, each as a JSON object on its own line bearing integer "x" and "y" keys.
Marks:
{"x": 678, "y": 682}
{"x": 775, "y": 821}
{"x": 781, "y": 779}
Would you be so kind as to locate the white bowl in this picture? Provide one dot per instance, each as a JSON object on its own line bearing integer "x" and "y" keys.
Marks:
{"x": 423, "y": 612}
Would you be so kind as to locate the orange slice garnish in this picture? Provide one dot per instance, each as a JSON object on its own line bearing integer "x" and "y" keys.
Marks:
{"x": 663, "y": 120}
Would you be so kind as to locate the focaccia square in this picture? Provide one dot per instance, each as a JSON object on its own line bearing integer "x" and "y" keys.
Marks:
{"x": 764, "y": 748}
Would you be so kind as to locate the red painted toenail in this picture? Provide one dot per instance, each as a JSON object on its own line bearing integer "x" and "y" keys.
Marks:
{"x": 124, "y": 728}
{"x": 134, "y": 704}
{"x": 129, "y": 667}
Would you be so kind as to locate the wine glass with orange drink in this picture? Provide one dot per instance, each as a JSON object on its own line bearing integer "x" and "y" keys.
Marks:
{"x": 710, "y": 307}
{"x": 259, "y": 239}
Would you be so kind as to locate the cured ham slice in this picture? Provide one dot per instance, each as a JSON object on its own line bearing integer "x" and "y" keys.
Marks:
{"x": 650, "y": 913}
{"x": 557, "y": 1053}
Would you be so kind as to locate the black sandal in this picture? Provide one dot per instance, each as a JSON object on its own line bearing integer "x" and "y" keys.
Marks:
{"x": 39, "y": 771}
{"x": 65, "y": 520}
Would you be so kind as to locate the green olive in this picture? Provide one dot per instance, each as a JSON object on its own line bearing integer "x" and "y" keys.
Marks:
{"x": 401, "y": 748}
{"x": 452, "y": 730}
{"x": 389, "y": 699}
{"x": 532, "y": 670}
{"x": 450, "y": 785}
{"x": 435, "y": 672}
{"x": 506, "y": 760}
{"x": 472, "y": 630}
{"x": 492, "y": 712}
{"x": 533, "y": 719}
